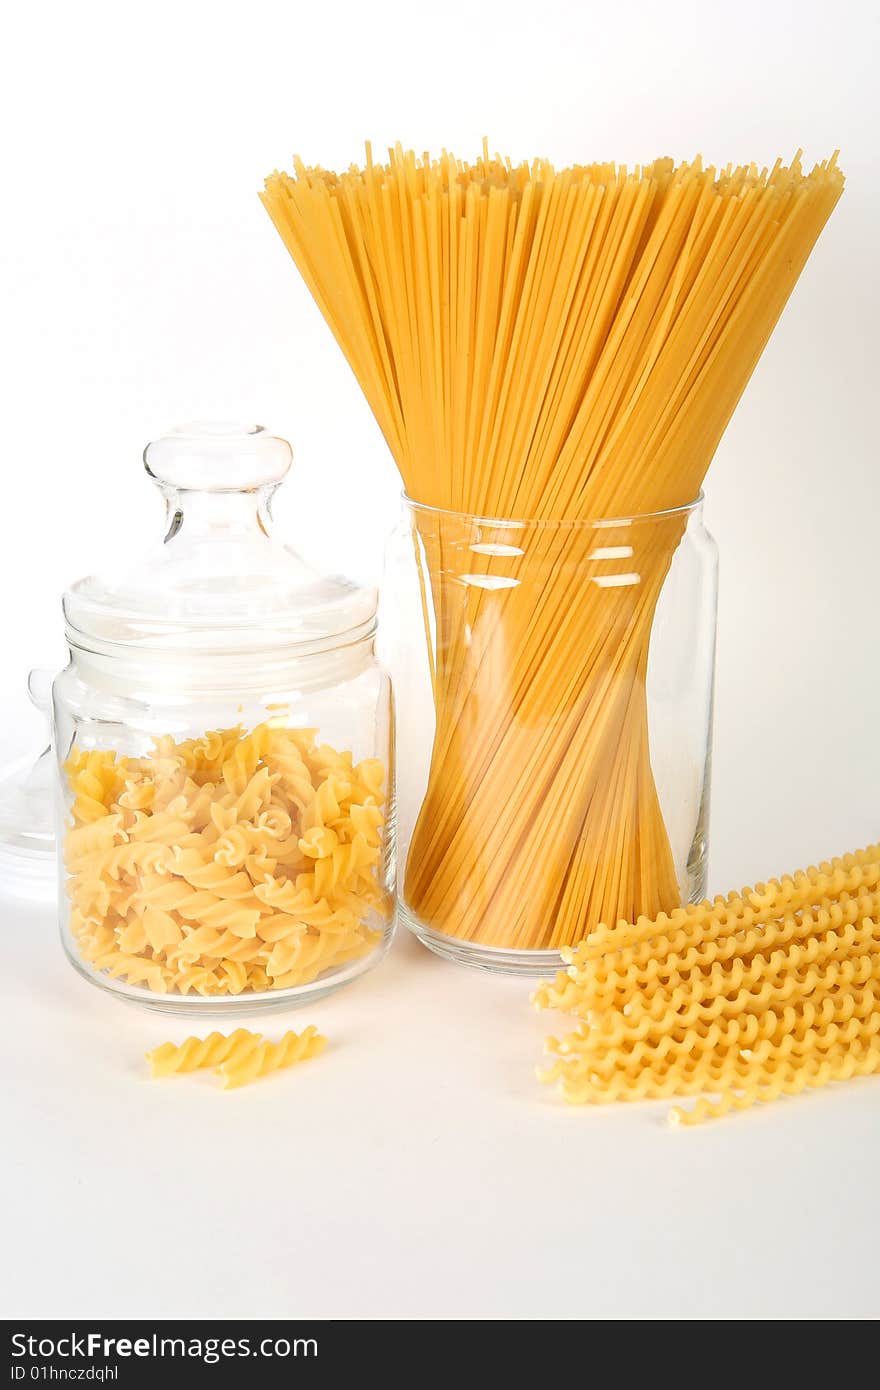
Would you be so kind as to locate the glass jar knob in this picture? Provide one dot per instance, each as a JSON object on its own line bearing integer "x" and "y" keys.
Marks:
{"x": 217, "y": 457}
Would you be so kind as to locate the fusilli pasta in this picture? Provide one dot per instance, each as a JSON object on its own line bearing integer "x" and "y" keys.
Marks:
{"x": 196, "y": 1053}
{"x": 239, "y": 1058}
{"x": 228, "y": 864}
{"x": 247, "y": 1064}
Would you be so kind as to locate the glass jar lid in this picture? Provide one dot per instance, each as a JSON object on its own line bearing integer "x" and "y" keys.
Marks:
{"x": 219, "y": 584}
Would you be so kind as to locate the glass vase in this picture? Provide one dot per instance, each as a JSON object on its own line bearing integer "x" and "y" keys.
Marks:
{"x": 554, "y": 717}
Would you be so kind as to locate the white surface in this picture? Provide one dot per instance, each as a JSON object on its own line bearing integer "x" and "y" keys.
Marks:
{"x": 417, "y": 1168}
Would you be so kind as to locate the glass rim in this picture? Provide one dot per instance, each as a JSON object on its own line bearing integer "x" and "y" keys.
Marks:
{"x": 560, "y": 523}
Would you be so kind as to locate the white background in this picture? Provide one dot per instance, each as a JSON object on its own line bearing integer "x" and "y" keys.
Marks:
{"x": 418, "y": 1169}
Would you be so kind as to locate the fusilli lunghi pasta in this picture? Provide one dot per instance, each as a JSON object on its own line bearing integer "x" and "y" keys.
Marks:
{"x": 229, "y": 864}
{"x": 239, "y": 1058}
{"x": 742, "y": 1000}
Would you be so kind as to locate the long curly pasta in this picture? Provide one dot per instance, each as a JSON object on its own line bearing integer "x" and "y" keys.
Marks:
{"x": 233, "y": 863}
{"x": 741, "y": 1000}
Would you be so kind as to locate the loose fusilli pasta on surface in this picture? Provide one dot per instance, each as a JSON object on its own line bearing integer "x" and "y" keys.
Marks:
{"x": 246, "y": 1064}
{"x": 239, "y": 1058}
{"x": 231, "y": 864}
{"x": 194, "y": 1054}
{"x": 760, "y": 994}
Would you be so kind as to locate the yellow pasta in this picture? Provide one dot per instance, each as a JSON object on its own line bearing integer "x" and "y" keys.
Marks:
{"x": 196, "y": 1053}
{"x": 239, "y": 1058}
{"x": 552, "y": 345}
{"x": 247, "y": 1064}
{"x": 225, "y": 865}
{"x": 760, "y": 994}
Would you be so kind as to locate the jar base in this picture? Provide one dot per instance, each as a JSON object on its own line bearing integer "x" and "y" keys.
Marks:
{"x": 500, "y": 960}
{"x": 207, "y": 1006}
{"x": 530, "y": 964}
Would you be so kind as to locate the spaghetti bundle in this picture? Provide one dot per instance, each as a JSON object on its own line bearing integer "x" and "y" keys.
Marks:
{"x": 763, "y": 993}
{"x": 556, "y": 346}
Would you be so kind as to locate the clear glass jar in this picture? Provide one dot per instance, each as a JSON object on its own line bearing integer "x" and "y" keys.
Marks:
{"x": 224, "y": 742}
{"x": 554, "y": 723}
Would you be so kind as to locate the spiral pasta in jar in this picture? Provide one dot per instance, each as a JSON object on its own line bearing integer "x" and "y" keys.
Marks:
{"x": 223, "y": 732}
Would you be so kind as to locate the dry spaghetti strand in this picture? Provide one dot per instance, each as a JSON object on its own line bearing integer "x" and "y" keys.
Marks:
{"x": 550, "y": 344}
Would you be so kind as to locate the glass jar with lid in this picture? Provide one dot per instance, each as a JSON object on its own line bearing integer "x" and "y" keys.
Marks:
{"x": 223, "y": 734}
